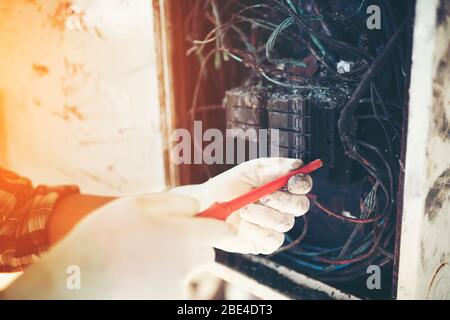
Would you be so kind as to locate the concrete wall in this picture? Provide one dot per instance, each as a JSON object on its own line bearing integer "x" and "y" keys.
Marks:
{"x": 78, "y": 94}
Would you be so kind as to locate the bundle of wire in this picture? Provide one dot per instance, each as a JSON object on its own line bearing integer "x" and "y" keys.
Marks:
{"x": 280, "y": 41}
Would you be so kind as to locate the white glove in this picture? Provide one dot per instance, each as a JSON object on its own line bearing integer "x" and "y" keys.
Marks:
{"x": 149, "y": 247}
{"x": 260, "y": 226}
{"x": 133, "y": 248}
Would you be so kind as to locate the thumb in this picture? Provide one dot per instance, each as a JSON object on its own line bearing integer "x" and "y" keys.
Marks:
{"x": 167, "y": 204}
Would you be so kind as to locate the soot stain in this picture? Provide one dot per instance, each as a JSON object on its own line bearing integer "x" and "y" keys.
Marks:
{"x": 443, "y": 13}
{"x": 440, "y": 83}
{"x": 438, "y": 195}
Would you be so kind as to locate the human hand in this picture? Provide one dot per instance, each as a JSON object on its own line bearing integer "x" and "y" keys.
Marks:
{"x": 260, "y": 226}
{"x": 132, "y": 248}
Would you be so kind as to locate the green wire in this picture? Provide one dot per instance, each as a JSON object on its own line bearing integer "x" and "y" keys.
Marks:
{"x": 289, "y": 85}
{"x": 313, "y": 38}
{"x": 292, "y": 5}
{"x": 271, "y": 43}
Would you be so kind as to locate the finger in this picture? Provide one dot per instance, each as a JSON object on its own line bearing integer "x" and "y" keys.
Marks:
{"x": 267, "y": 241}
{"x": 267, "y": 217}
{"x": 294, "y": 204}
{"x": 300, "y": 184}
{"x": 240, "y": 243}
{"x": 260, "y": 171}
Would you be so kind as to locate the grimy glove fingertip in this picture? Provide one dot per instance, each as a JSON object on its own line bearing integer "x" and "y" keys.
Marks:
{"x": 300, "y": 184}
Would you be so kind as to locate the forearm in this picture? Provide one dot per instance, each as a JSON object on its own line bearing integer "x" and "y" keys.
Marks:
{"x": 47, "y": 278}
{"x": 69, "y": 211}
{"x": 50, "y": 277}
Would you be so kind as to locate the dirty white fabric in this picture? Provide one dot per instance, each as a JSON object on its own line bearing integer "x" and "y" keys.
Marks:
{"x": 260, "y": 226}
{"x": 149, "y": 247}
{"x": 133, "y": 248}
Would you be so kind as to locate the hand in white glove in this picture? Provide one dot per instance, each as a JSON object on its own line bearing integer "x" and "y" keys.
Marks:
{"x": 133, "y": 248}
{"x": 260, "y": 226}
{"x": 148, "y": 247}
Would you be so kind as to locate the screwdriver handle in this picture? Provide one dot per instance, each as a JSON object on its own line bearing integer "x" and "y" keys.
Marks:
{"x": 222, "y": 210}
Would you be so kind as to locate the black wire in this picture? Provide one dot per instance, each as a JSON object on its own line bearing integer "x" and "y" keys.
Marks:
{"x": 377, "y": 116}
{"x": 374, "y": 246}
{"x": 330, "y": 40}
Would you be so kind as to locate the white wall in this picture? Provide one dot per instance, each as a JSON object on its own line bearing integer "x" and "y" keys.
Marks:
{"x": 424, "y": 270}
{"x": 78, "y": 88}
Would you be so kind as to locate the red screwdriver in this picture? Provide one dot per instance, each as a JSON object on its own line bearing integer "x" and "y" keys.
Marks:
{"x": 222, "y": 210}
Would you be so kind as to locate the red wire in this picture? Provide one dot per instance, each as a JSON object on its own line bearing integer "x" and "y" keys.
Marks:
{"x": 341, "y": 217}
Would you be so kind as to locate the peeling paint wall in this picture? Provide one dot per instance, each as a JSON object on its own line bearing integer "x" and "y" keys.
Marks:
{"x": 424, "y": 270}
{"x": 2, "y": 132}
{"x": 79, "y": 93}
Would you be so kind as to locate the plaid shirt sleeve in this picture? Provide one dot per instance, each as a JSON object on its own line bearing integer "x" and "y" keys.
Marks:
{"x": 24, "y": 212}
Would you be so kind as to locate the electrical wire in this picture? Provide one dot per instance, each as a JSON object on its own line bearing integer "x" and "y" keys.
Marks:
{"x": 254, "y": 36}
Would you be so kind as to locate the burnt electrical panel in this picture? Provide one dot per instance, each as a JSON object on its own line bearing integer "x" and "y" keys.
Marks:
{"x": 305, "y": 122}
{"x": 331, "y": 78}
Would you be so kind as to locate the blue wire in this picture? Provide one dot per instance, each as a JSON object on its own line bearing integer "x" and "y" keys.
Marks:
{"x": 313, "y": 266}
